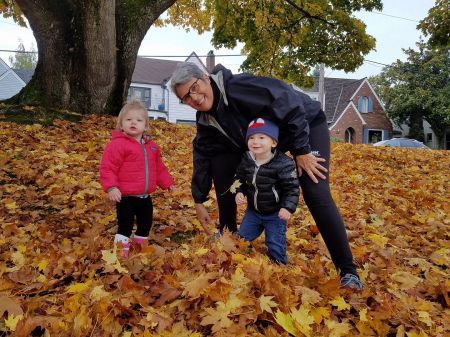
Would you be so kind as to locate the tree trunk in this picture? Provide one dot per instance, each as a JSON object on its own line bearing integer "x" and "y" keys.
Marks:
{"x": 87, "y": 51}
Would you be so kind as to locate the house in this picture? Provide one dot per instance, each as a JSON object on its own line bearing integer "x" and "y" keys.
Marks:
{"x": 355, "y": 114}
{"x": 10, "y": 81}
{"x": 150, "y": 83}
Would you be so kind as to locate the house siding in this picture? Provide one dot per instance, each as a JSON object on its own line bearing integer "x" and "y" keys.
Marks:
{"x": 10, "y": 84}
{"x": 349, "y": 119}
{"x": 377, "y": 119}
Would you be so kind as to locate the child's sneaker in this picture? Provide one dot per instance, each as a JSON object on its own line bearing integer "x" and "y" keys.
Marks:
{"x": 138, "y": 240}
{"x": 351, "y": 281}
{"x": 122, "y": 242}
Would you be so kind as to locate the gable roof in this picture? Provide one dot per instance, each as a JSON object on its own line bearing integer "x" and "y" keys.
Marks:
{"x": 153, "y": 71}
{"x": 158, "y": 71}
{"x": 338, "y": 94}
{"x": 25, "y": 74}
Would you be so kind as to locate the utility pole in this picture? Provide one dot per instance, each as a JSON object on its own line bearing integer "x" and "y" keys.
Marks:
{"x": 321, "y": 85}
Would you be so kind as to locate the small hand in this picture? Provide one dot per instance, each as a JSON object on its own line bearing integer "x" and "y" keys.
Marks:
{"x": 115, "y": 195}
{"x": 311, "y": 165}
{"x": 239, "y": 198}
{"x": 284, "y": 214}
{"x": 203, "y": 217}
{"x": 170, "y": 189}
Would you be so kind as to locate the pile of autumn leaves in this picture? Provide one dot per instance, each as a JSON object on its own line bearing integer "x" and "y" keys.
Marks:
{"x": 61, "y": 276}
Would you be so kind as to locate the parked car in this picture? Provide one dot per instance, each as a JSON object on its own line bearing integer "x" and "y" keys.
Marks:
{"x": 401, "y": 142}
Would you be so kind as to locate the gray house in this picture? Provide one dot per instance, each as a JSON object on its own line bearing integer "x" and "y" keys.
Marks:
{"x": 10, "y": 80}
{"x": 150, "y": 83}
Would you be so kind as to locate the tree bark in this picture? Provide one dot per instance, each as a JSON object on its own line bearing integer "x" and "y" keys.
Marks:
{"x": 87, "y": 51}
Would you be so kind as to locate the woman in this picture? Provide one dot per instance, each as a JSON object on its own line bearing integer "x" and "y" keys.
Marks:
{"x": 225, "y": 105}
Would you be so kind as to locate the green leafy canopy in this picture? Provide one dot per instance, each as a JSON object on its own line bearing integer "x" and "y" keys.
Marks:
{"x": 283, "y": 39}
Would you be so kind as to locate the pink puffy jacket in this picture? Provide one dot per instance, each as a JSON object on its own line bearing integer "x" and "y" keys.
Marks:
{"x": 134, "y": 168}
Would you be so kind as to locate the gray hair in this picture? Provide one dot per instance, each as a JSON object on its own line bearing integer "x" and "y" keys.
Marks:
{"x": 184, "y": 73}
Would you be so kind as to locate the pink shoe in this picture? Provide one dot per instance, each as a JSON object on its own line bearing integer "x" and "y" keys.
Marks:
{"x": 125, "y": 249}
{"x": 123, "y": 243}
{"x": 138, "y": 240}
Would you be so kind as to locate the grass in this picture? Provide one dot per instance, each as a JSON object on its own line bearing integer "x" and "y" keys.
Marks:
{"x": 26, "y": 114}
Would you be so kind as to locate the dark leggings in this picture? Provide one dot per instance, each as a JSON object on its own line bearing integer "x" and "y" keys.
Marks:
{"x": 223, "y": 168}
{"x": 131, "y": 208}
{"x": 322, "y": 207}
{"x": 317, "y": 197}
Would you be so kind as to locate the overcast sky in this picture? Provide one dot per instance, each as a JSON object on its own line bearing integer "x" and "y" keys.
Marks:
{"x": 394, "y": 28}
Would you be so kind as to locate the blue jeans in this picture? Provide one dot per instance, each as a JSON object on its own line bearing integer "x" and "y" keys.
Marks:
{"x": 253, "y": 224}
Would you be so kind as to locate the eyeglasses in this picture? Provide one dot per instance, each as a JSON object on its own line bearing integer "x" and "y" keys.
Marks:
{"x": 193, "y": 89}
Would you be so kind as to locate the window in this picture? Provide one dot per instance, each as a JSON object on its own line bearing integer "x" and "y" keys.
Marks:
{"x": 141, "y": 94}
{"x": 375, "y": 136}
{"x": 365, "y": 104}
{"x": 429, "y": 137}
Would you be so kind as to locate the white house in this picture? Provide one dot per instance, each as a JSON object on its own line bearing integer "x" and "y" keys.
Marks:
{"x": 10, "y": 81}
{"x": 150, "y": 83}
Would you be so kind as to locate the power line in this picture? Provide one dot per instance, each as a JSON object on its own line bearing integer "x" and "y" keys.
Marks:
{"x": 394, "y": 16}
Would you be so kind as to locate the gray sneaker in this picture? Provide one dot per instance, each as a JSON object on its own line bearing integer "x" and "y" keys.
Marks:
{"x": 351, "y": 281}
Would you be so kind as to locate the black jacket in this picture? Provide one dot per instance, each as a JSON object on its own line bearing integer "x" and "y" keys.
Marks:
{"x": 237, "y": 100}
{"x": 271, "y": 186}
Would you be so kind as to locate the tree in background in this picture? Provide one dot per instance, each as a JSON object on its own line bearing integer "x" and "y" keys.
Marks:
{"x": 22, "y": 59}
{"x": 87, "y": 49}
{"x": 437, "y": 24}
{"x": 417, "y": 90}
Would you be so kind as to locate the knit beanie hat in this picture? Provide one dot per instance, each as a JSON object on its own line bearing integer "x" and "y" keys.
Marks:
{"x": 260, "y": 125}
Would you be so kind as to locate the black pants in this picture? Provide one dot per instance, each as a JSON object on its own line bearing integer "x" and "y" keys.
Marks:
{"x": 130, "y": 209}
{"x": 223, "y": 169}
{"x": 322, "y": 207}
{"x": 317, "y": 197}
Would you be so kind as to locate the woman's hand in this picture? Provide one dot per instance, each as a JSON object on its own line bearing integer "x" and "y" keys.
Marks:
{"x": 239, "y": 198}
{"x": 311, "y": 165}
{"x": 284, "y": 214}
{"x": 170, "y": 189}
{"x": 115, "y": 195}
{"x": 203, "y": 217}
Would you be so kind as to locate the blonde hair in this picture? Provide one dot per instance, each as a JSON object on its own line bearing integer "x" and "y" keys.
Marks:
{"x": 132, "y": 104}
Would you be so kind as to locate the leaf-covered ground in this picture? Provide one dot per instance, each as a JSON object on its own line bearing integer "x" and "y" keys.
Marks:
{"x": 60, "y": 276}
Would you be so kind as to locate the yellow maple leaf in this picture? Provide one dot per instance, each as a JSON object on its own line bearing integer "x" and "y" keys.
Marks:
{"x": 286, "y": 322}
{"x": 42, "y": 265}
{"x": 11, "y": 205}
{"x": 98, "y": 293}
{"x": 11, "y": 321}
{"x": 266, "y": 303}
{"x": 405, "y": 279}
{"x": 337, "y": 329}
{"x": 309, "y": 296}
{"x": 217, "y": 317}
{"x": 424, "y": 316}
{"x": 415, "y": 334}
{"x": 340, "y": 303}
{"x": 79, "y": 287}
{"x": 441, "y": 257}
{"x": 363, "y": 315}
{"x": 320, "y": 313}
{"x": 201, "y": 251}
{"x": 21, "y": 248}
{"x": 378, "y": 240}
{"x": 303, "y": 319}
{"x": 110, "y": 256}
{"x": 236, "y": 184}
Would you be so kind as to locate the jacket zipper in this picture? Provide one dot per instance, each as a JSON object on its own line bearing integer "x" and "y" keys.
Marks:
{"x": 255, "y": 197}
{"x": 146, "y": 168}
{"x": 277, "y": 198}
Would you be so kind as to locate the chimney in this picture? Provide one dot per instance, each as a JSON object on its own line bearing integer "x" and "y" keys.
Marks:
{"x": 210, "y": 61}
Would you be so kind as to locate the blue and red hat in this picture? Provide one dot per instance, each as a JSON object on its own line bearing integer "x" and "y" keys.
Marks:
{"x": 261, "y": 125}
